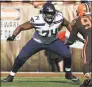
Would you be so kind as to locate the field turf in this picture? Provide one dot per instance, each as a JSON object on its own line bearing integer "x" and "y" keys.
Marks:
{"x": 41, "y": 82}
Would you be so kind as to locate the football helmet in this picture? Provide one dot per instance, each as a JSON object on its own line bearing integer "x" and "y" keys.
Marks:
{"x": 83, "y": 9}
{"x": 48, "y": 11}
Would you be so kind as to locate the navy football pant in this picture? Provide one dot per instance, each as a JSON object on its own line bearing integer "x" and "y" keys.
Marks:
{"x": 33, "y": 47}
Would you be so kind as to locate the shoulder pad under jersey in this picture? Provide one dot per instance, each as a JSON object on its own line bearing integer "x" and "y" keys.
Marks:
{"x": 36, "y": 19}
{"x": 59, "y": 16}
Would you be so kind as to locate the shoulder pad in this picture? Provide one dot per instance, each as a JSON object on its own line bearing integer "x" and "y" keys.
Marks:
{"x": 36, "y": 19}
{"x": 59, "y": 16}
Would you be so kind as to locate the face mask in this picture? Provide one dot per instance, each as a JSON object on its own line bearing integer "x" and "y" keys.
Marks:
{"x": 48, "y": 18}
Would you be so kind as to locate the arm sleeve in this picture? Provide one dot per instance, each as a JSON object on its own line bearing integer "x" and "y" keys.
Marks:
{"x": 81, "y": 28}
{"x": 74, "y": 32}
{"x": 65, "y": 22}
{"x": 83, "y": 32}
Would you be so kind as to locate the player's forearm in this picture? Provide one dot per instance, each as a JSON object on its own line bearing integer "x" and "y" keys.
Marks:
{"x": 69, "y": 27}
{"x": 25, "y": 26}
{"x": 17, "y": 31}
{"x": 67, "y": 24}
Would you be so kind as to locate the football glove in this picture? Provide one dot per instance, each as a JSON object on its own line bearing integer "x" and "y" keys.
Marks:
{"x": 11, "y": 38}
{"x": 68, "y": 42}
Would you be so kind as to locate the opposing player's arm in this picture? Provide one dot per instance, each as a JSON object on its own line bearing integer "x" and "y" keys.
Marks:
{"x": 67, "y": 24}
{"x": 73, "y": 34}
{"x": 25, "y": 26}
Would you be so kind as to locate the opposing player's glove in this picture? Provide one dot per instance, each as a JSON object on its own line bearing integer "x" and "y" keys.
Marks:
{"x": 11, "y": 38}
{"x": 68, "y": 42}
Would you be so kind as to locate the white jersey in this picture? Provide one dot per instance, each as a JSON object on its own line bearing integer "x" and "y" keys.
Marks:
{"x": 46, "y": 33}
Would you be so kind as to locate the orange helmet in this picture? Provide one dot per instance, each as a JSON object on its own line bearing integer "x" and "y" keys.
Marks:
{"x": 83, "y": 9}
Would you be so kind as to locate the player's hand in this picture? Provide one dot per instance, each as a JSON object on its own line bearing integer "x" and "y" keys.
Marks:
{"x": 68, "y": 42}
{"x": 11, "y": 38}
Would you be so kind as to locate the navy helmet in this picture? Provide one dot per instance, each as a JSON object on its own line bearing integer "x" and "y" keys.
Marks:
{"x": 48, "y": 11}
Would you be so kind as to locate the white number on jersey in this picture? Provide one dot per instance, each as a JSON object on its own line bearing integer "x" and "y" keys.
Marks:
{"x": 48, "y": 33}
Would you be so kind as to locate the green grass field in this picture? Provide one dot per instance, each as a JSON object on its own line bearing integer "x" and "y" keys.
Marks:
{"x": 41, "y": 82}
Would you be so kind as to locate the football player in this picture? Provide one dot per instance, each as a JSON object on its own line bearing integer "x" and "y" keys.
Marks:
{"x": 46, "y": 25}
{"x": 83, "y": 25}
